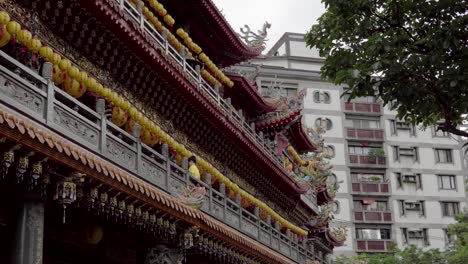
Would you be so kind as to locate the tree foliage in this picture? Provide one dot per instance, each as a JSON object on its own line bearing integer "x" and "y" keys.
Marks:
{"x": 456, "y": 254}
{"x": 412, "y": 53}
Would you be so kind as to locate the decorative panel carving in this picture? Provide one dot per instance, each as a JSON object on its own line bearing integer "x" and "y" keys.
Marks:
{"x": 249, "y": 228}
{"x": 232, "y": 218}
{"x": 175, "y": 185}
{"x": 217, "y": 210}
{"x": 293, "y": 253}
{"x": 153, "y": 173}
{"x": 72, "y": 123}
{"x": 284, "y": 248}
{"x": 274, "y": 243}
{"x": 264, "y": 237}
{"x": 120, "y": 154}
{"x": 22, "y": 95}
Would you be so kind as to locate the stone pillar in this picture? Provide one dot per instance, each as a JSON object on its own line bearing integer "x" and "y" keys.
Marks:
{"x": 29, "y": 236}
{"x": 164, "y": 254}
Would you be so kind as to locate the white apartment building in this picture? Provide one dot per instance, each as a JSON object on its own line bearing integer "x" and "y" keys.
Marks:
{"x": 398, "y": 183}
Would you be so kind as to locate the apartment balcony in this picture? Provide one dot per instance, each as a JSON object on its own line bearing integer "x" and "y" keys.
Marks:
{"x": 382, "y": 188}
{"x": 367, "y": 160}
{"x": 373, "y": 216}
{"x": 374, "y": 245}
{"x": 366, "y": 134}
{"x": 372, "y": 108}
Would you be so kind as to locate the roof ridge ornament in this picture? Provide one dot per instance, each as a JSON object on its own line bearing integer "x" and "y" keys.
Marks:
{"x": 255, "y": 40}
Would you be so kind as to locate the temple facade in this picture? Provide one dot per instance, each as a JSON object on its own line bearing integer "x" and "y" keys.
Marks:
{"x": 399, "y": 184}
{"x": 125, "y": 138}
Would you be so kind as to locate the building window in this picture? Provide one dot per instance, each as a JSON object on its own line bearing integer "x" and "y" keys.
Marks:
{"x": 449, "y": 238}
{"x": 336, "y": 207}
{"x": 330, "y": 150}
{"x": 447, "y": 182}
{"x": 362, "y": 123}
{"x": 409, "y": 179}
{"x": 450, "y": 208}
{"x": 412, "y": 206}
{"x": 410, "y": 236}
{"x": 367, "y": 177}
{"x": 324, "y": 123}
{"x": 368, "y": 233}
{"x": 322, "y": 97}
{"x": 277, "y": 88}
{"x": 363, "y": 99}
{"x": 411, "y": 152}
{"x": 439, "y": 133}
{"x": 443, "y": 155}
{"x": 395, "y": 126}
{"x": 358, "y": 150}
{"x": 370, "y": 205}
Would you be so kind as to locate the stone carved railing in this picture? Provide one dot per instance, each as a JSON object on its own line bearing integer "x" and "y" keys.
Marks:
{"x": 209, "y": 91}
{"x": 26, "y": 92}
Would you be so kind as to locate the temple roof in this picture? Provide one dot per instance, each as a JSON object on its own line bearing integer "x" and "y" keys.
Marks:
{"x": 246, "y": 96}
{"x": 292, "y": 122}
{"x": 212, "y": 32}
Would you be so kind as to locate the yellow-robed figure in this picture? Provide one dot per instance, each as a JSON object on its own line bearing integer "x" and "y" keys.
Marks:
{"x": 193, "y": 169}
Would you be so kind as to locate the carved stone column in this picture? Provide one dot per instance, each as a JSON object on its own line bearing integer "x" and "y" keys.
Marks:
{"x": 164, "y": 254}
{"x": 29, "y": 236}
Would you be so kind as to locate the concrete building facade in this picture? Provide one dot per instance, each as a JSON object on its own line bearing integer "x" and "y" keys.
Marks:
{"x": 398, "y": 183}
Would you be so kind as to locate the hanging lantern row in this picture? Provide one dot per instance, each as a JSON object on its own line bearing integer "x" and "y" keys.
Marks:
{"x": 159, "y": 8}
{"x": 29, "y": 174}
{"x": 217, "y": 250}
{"x": 76, "y": 82}
{"x": 185, "y": 37}
{"x": 209, "y": 78}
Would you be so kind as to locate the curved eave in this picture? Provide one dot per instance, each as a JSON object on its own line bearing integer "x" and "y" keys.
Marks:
{"x": 247, "y": 97}
{"x": 238, "y": 51}
{"x": 302, "y": 142}
{"x": 278, "y": 122}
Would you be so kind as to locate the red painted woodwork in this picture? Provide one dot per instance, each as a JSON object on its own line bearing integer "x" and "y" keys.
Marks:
{"x": 372, "y": 216}
{"x": 373, "y": 245}
{"x": 355, "y": 133}
{"x": 370, "y": 187}
{"x": 363, "y": 107}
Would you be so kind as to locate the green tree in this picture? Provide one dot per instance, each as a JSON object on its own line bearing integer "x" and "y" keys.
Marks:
{"x": 408, "y": 52}
{"x": 409, "y": 255}
{"x": 459, "y": 252}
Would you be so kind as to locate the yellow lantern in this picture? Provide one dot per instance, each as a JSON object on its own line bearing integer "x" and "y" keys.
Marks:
{"x": 82, "y": 77}
{"x": 73, "y": 72}
{"x": 148, "y": 137}
{"x": 91, "y": 83}
{"x": 74, "y": 88}
{"x": 55, "y": 58}
{"x": 13, "y": 28}
{"x": 46, "y": 52}
{"x": 119, "y": 116}
{"x": 4, "y": 18}
{"x": 24, "y": 37}
{"x": 64, "y": 64}
{"x": 58, "y": 77}
{"x": 34, "y": 45}
{"x": 4, "y": 37}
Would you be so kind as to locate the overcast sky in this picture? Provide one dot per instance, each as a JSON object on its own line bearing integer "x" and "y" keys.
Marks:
{"x": 285, "y": 15}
